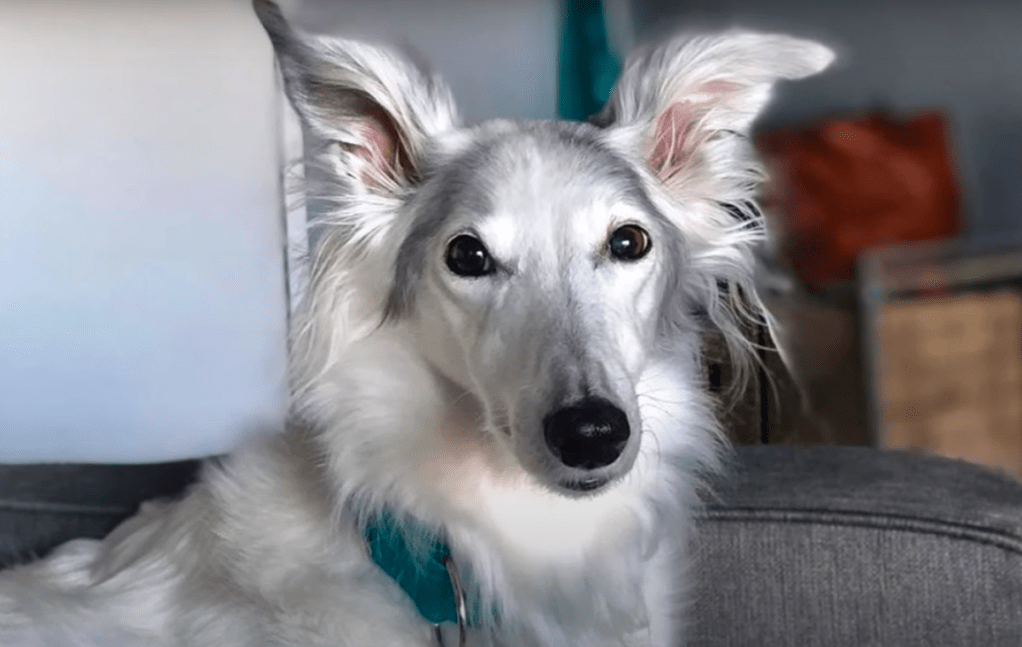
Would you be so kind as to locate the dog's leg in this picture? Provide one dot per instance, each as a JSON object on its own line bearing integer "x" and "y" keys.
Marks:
{"x": 663, "y": 597}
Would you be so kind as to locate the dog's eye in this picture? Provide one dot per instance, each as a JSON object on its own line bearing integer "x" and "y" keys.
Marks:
{"x": 467, "y": 256}
{"x": 629, "y": 243}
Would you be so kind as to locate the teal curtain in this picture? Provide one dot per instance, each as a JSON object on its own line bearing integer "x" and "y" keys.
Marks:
{"x": 587, "y": 69}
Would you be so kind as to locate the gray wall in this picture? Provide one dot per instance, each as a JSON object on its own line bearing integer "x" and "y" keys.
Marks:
{"x": 904, "y": 55}
{"x": 499, "y": 57}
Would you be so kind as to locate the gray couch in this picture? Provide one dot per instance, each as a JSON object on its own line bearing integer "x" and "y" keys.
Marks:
{"x": 843, "y": 547}
{"x": 853, "y": 547}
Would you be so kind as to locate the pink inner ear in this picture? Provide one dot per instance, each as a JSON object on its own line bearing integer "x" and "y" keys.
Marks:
{"x": 674, "y": 140}
{"x": 680, "y": 131}
{"x": 382, "y": 149}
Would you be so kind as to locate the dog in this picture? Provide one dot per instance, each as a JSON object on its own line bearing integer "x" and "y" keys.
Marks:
{"x": 500, "y": 417}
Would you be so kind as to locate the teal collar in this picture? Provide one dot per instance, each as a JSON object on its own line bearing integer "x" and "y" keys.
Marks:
{"x": 416, "y": 558}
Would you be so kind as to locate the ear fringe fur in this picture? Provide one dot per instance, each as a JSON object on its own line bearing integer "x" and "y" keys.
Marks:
{"x": 357, "y": 234}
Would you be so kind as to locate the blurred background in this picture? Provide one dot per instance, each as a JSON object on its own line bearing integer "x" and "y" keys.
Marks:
{"x": 147, "y": 259}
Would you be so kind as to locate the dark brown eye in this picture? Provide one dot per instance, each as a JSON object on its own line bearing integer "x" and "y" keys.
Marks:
{"x": 629, "y": 243}
{"x": 467, "y": 256}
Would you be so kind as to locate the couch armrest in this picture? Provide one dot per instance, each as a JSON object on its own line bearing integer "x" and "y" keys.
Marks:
{"x": 856, "y": 547}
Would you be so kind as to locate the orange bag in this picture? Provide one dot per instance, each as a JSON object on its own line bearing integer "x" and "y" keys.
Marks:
{"x": 848, "y": 184}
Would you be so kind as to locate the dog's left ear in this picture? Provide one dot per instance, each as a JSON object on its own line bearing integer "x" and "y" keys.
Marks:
{"x": 678, "y": 105}
{"x": 685, "y": 109}
{"x": 381, "y": 109}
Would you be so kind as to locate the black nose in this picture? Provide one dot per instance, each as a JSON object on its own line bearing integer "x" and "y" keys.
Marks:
{"x": 589, "y": 434}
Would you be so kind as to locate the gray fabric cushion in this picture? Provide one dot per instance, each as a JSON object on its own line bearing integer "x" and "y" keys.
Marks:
{"x": 857, "y": 547}
{"x": 799, "y": 546}
{"x": 42, "y": 506}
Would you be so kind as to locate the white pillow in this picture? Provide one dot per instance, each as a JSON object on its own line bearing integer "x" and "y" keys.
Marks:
{"x": 142, "y": 291}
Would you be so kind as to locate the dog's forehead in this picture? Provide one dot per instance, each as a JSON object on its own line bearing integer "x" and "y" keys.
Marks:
{"x": 533, "y": 170}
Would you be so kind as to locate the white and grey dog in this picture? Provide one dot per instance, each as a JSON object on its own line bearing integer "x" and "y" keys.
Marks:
{"x": 500, "y": 416}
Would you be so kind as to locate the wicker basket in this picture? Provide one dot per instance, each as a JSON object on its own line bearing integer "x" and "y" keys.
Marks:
{"x": 944, "y": 339}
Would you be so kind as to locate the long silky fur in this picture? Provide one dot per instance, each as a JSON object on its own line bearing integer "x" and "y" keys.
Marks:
{"x": 267, "y": 548}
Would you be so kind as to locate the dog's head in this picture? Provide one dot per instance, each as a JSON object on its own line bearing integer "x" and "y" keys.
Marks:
{"x": 542, "y": 268}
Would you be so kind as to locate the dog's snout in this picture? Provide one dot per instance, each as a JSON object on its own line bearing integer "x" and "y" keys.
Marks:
{"x": 589, "y": 434}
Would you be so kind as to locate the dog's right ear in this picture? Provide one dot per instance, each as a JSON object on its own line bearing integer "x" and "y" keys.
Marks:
{"x": 376, "y": 105}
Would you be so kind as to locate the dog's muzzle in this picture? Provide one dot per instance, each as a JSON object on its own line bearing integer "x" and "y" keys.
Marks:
{"x": 587, "y": 435}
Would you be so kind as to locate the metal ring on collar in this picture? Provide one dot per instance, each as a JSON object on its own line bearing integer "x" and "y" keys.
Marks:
{"x": 460, "y": 602}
